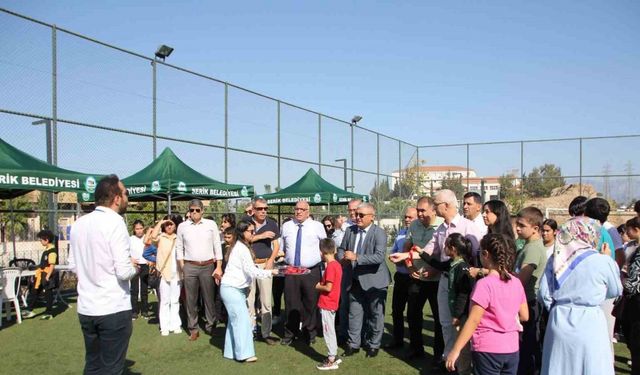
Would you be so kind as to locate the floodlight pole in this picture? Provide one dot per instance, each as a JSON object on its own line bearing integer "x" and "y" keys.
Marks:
{"x": 51, "y": 207}
{"x": 344, "y": 167}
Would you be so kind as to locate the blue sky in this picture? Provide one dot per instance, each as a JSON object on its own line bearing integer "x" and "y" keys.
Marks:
{"x": 423, "y": 71}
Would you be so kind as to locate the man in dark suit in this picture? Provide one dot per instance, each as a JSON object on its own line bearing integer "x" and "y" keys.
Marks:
{"x": 363, "y": 254}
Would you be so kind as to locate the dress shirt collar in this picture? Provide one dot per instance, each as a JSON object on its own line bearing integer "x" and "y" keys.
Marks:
{"x": 191, "y": 222}
{"x": 365, "y": 230}
{"x": 455, "y": 222}
{"x": 296, "y": 222}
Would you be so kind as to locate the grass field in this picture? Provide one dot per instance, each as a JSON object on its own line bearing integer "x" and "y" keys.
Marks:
{"x": 56, "y": 347}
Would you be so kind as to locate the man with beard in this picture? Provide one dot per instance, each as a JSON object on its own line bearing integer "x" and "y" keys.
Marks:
{"x": 101, "y": 259}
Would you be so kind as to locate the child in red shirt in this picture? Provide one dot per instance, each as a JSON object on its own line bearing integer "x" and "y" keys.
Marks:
{"x": 329, "y": 288}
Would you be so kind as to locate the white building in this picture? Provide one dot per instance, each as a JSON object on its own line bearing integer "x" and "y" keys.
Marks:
{"x": 433, "y": 175}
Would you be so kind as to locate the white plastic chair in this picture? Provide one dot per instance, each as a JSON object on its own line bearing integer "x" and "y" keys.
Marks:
{"x": 9, "y": 293}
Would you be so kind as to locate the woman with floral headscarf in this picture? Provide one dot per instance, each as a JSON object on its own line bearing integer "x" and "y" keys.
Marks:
{"x": 576, "y": 281}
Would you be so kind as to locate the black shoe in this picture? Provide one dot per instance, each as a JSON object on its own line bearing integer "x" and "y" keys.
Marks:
{"x": 438, "y": 364}
{"x": 393, "y": 345}
{"x": 372, "y": 353}
{"x": 414, "y": 354}
{"x": 312, "y": 341}
{"x": 349, "y": 351}
{"x": 134, "y": 316}
{"x": 286, "y": 341}
{"x": 146, "y": 315}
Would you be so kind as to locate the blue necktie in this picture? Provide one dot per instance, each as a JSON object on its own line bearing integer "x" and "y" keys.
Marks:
{"x": 360, "y": 241}
{"x": 296, "y": 260}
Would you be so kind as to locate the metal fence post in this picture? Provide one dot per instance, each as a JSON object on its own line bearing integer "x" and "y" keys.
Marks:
{"x": 52, "y": 130}
{"x": 378, "y": 167}
{"x": 153, "y": 115}
{"x": 400, "y": 169}
{"x": 226, "y": 133}
{"x": 320, "y": 144}
{"x": 467, "y": 167}
{"x": 278, "y": 136}
{"x": 352, "y": 182}
{"x": 580, "y": 140}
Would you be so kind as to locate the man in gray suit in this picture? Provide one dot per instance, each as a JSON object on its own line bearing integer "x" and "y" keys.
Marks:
{"x": 363, "y": 252}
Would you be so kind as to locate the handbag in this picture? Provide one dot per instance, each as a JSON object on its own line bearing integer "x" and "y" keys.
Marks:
{"x": 154, "y": 278}
{"x": 155, "y": 274}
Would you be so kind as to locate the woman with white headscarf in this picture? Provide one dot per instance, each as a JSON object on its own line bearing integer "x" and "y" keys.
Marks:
{"x": 576, "y": 281}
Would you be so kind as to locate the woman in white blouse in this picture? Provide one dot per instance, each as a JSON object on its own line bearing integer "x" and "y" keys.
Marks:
{"x": 234, "y": 288}
{"x": 164, "y": 237}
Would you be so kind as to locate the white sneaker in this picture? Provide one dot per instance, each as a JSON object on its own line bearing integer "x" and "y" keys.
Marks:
{"x": 164, "y": 333}
{"x": 177, "y": 331}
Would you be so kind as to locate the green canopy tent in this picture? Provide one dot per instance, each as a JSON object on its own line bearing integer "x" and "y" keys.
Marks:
{"x": 21, "y": 173}
{"x": 313, "y": 189}
{"x": 169, "y": 178}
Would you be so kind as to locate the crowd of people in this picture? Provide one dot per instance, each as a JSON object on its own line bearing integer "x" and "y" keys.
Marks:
{"x": 509, "y": 294}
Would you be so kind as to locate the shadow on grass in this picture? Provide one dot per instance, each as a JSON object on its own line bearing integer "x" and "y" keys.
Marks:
{"x": 424, "y": 364}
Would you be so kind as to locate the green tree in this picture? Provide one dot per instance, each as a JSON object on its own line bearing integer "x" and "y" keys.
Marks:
{"x": 542, "y": 180}
{"x": 510, "y": 192}
{"x": 410, "y": 184}
{"x": 454, "y": 184}
{"x": 380, "y": 192}
{"x": 16, "y": 223}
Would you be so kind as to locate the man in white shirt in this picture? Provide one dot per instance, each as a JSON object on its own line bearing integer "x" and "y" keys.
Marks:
{"x": 472, "y": 209}
{"x": 301, "y": 242}
{"x": 139, "y": 283}
{"x": 100, "y": 257}
{"x": 199, "y": 254}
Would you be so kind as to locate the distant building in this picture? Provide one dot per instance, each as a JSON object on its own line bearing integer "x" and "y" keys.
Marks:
{"x": 432, "y": 176}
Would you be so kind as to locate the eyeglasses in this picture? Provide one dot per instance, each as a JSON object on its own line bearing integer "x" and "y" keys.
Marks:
{"x": 261, "y": 208}
{"x": 300, "y": 209}
{"x": 247, "y": 211}
{"x": 361, "y": 215}
{"x": 196, "y": 210}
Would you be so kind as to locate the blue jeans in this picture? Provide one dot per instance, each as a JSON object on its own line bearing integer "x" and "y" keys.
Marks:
{"x": 106, "y": 340}
{"x": 238, "y": 341}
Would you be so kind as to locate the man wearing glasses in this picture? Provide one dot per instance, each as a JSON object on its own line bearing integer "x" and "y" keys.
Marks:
{"x": 363, "y": 254}
{"x": 301, "y": 240}
{"x": 446, "y": 207}
{"x": 265, "y": 247}
{"x": 199, "y": 255}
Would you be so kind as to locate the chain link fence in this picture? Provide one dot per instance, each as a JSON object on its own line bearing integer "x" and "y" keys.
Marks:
{"x": 112, "y": 110}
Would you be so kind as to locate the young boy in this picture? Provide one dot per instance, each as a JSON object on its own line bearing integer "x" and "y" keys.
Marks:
{"x": 529, "y": 266}
{"x": 44, "y": 272}
{"x": 329, "y": 288}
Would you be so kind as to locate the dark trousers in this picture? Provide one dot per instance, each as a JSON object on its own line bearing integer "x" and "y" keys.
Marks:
{"x": 106, "y": 339}
{"x": 140, "y": 284}
{"x": 495, "y": 364}
{"x": 631, "y": 331}
{"x": 198, "y": 282}
{"x": 530, "y": 349}
{"x": 419, "y": 293}
{"x": 277, "y": 290}
{"x": 48, "y": 296}
{"x": 301, "y": 300}
{"x": 398, "y": 303}
{"x": 343, "y": 308}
